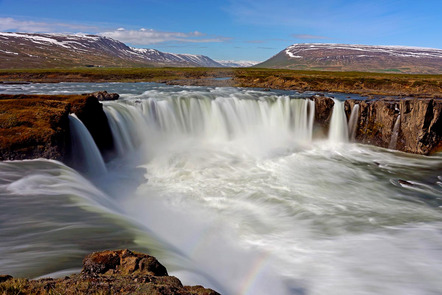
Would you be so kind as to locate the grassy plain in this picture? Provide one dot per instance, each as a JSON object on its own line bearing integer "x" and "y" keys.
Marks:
{"x": 346, "y": 82}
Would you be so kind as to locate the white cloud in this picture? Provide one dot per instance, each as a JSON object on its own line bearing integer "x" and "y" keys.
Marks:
{"x": 28, "y": 26}
{"x": 150, "y": 36}
{"x": 136, "y": 37}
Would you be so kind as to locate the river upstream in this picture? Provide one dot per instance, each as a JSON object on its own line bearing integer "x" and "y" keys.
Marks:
{"x": 234, "y": 189}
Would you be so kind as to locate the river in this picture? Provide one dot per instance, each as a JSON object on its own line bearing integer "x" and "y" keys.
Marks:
{"x": 234, "y": 189}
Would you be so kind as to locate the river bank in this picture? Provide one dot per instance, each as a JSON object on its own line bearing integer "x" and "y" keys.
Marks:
{"x": 369, "y": 84}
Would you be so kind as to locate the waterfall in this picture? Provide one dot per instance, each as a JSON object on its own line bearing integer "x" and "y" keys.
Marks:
{"x": 395, "y": 133}
{"x": 303, "y": 116}
{"x": 220, "y": 119}
{"x": 127, "y": 125}
{"x": 353, "y": 122}
{"x": 86, "y": 156}
{"x": 338, "y": 124}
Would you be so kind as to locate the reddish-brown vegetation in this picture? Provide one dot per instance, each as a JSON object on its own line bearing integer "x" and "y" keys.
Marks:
{"x": 34, "y": 126}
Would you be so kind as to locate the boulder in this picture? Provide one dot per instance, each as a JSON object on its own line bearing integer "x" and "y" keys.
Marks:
{"x": 122, "y": 262}
{"x": 103, "y": 95}
{"x": 109, "y": 272}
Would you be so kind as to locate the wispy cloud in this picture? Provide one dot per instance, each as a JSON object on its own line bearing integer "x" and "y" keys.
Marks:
{"x": 308, "y": 37}
{"x": 29, "y": 26}
{"x": 151, "y": 36}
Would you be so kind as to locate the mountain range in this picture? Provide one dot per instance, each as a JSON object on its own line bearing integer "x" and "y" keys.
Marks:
{"x": 24, "y": 50}
{"x": 362, "y": 58}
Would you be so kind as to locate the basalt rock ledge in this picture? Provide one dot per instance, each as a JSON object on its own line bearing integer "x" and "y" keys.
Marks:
{"x": 418, "y": 122}
{"x": 37, "y": 126}
{"x": 409, "y": 125}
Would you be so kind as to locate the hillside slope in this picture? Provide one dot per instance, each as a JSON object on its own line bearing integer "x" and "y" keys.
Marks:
{"x": 363, "y": 58}
{"x": 22, "y": 50}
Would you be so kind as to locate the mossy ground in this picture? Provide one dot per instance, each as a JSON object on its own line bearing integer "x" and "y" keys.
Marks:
{"x": 346, "y": 82}
{"x": 32, "y": 124}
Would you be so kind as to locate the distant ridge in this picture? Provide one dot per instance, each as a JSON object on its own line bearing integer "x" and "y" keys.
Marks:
{"x": 23, "y": 50}
{"x": 237, "y": 64}
{"x": 364, "y": 58}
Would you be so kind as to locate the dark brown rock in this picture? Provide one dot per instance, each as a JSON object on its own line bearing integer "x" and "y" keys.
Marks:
{"x": 4, "y": 278}
{"x": 104, "y": 95}
{"x": 123, "y": 262}
{"x": 90, "y": 112}
{"x": 401, "y": 181}
{"x": 37, "y": 126}
{"x": 110, "y": 272}
{"x": 420, "y": 123}
{"x": 34, "y": 126}
{"x": 323, "y": 111}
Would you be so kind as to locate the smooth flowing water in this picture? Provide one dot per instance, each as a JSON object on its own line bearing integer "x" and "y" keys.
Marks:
{"x": 353, "y": 121}
{"x": 395, "y": 133}
{"x": 87, "y": 157}
{"x": 233, "y": 189}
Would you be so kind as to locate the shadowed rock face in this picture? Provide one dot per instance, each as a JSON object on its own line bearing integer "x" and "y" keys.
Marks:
{"x": 109, "y": 272}
{"x": 323, "y": 111}
{"x": 90, "y": 112}
{"x": 419, "y": 129}
{"x": 420, "y": 123}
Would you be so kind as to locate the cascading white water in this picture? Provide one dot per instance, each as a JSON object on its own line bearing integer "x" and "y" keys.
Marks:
{"x": 353, "y": 122}
{"x": 85, "y": 153}
{"x": 126, "y": 123}
{"x": 241, "y": 198}
{"x": 395, "y": 133}
{"x": 260, "y": 122}
{"x": 338, "y": 124}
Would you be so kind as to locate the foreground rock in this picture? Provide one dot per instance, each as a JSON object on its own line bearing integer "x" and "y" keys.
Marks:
{"x": 108, "y": 272}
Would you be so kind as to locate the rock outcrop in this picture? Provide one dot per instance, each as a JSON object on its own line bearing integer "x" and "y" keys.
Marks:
{"x": 108, "y": 272}
{"x": 418, "y": 129}
{"x": 103, "y": 95}
{"x": 323, "y": 110}
{"x": 418, "y": 122}
{"x": 90, "y": 111}
{"x": 34, "y": 127}
{"x": 37, "y": 126}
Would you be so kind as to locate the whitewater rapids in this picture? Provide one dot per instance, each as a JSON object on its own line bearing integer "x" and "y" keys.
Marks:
{"x": 234, "y": 189}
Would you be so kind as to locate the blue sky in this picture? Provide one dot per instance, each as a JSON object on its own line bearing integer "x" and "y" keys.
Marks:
{"x": 233, "y": 29}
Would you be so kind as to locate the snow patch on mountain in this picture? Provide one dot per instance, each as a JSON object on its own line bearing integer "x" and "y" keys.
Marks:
{"x": 166, "y": 57}
{"x": 8, "y": 52}
{"x": 299, "y": 50}
{"x": 105, "y": 49}
{"x": 237, "y": 63}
